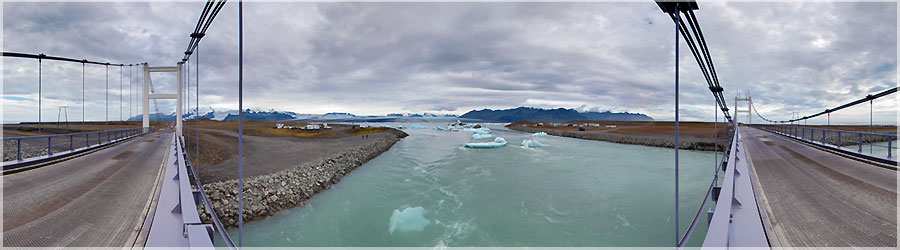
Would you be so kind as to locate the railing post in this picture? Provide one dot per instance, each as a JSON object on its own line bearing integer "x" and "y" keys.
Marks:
{"x": 889, "y": 147}
{"x": 840, "y": 140}
{"x": 860, "y": 141}
{"x": 71, "y": 142}
{"x": 49, "y": 145}
{"x": 19, "y": 149}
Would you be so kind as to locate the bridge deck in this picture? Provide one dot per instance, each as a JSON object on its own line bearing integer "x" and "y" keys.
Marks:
{"x": 96, "y": 200}
{"x": 818, "y": 199}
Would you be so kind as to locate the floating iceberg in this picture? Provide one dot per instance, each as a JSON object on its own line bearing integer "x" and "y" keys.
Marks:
{"x": 439, "y": 128}
{"x": 481, "y": 131}
{"x": 539, "y": 134}
{"x": 498, "y": 142}
{"x": 530, "y": 143}
{"x": 417, "y": 126}
{"x": 410, "y": 219}
{"x": 481, "y": 136}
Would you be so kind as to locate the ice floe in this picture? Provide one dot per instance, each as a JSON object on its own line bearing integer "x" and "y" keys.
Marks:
{"x": 531, "y": 143}
{"x": 408, "y": 220}
{"x": 498, "y": 142}
{"x": 481, "y": 136}
{"x": 539, "y": 134}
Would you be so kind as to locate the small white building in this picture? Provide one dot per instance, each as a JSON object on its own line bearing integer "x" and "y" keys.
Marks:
{"x": 279, "y": 125}
{"x": 312, "y": 127}
{"x": 325, "y": 126}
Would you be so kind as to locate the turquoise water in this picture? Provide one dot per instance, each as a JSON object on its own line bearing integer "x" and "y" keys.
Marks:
{"x": 429, "y": 190}
{"x": 879, "y": 149}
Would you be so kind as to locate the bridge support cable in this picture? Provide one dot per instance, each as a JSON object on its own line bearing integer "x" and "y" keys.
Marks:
{"x": 187, "y": 104}
{"x": 701, "y": 54}
{"x": 129, "y": 91}
{"x": 121, "y": 76}
{"x": 677, "y": 30}
{"x": 209, "y": 13}
{"x": 82, "y": 98}
{"x": 57, "y": 58}
{"x": 240, "y": 123}
{"x": 197, "y": 106}
{"x": 40, "y": 75}
{"x": 868, "y": 98}
{"x": 107, "y": 95}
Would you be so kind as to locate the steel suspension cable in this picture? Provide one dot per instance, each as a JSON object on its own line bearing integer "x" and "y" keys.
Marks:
{"x": 56, "y": 58}
{"x": 711, "y": 81}
{"x": 868, "y": 98}
{"x": 197, "y": 100}
{"x": 195, "y": 39}
{"x": 82, "y": 97}
{"x": 107, "y": 95}
{"x": 187, "y": 87}
{"x": 678, "y": 28}
{"x": 120, "y": 92}
{"x": 706, "y": 66}
{"x": 240, "y": 123}
{"x": 40, "y": 73}
{"x": 716, "y": 89}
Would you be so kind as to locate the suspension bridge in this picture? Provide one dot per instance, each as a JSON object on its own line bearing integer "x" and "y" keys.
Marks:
{"x": 778, "y": 184}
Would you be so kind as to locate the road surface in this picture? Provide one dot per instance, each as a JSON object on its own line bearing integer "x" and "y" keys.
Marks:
{"x": 96, "y": 200}
{"x": 817, "y": 199}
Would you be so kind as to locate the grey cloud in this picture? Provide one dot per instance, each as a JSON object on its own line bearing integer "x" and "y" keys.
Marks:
{"x": 376, "y": 58}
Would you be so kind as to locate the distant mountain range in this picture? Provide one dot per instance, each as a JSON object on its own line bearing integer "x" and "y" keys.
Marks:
{"x": 560, "y": 114}
{"x": 507, "y": 115}
{"x": 274, "y": 115}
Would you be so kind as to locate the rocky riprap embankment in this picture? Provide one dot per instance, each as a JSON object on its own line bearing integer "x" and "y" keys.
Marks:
{"x": 849, "y": 138}
{"x": 689, "y": 143}
{"x": 266, "y": 194}
{"x": 9, "y": 151}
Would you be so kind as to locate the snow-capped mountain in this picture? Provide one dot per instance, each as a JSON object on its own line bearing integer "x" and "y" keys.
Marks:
{"x": 277, "y": 115}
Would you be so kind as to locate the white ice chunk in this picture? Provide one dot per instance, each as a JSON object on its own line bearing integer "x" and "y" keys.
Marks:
{"x": 531, "y": 143}
{"x": 417, "y": 126}
{"x": 539, "y": 134}
{"x": 410, "y": 219}
{"x": 498, "y": 142}
{"x": 481, "y": 131}
{"x": 481, "y": 136}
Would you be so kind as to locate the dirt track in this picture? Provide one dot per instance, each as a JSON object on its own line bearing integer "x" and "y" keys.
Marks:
{"x": 266, "y": 155}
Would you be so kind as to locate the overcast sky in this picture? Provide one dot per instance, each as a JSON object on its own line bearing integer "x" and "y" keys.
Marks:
{"x": 379, "y": 58}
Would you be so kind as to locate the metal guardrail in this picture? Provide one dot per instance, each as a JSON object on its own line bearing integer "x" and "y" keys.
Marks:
{"x": 201, "y": 194}
{"x": 711, "y": 193}
{"x": 35, "y": 149}
{"x": 176, "y": 222}
{"x": 834, "y": 139}
{"x": 737, "y": 220}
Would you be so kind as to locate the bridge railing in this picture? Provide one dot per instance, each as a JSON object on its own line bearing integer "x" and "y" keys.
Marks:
{"x": 176, "y": 221}
{"x": 200, "y": 194}
{"x": 18, "y": 151}
{"x": 853, "y": 141}
{"x": 738, "y": 219}
{"x": 712, "y": 193}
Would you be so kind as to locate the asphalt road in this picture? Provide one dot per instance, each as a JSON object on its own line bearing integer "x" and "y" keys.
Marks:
{"x": 96, "y": 200}
{"x": 817, "y": 199}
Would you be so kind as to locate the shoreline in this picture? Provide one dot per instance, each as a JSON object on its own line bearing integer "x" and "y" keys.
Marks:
{"x": 686, "y": 142}
{"x": 264, "y": 195}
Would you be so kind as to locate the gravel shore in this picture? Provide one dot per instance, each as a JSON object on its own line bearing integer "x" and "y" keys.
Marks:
{"x": 266, "y": 194}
